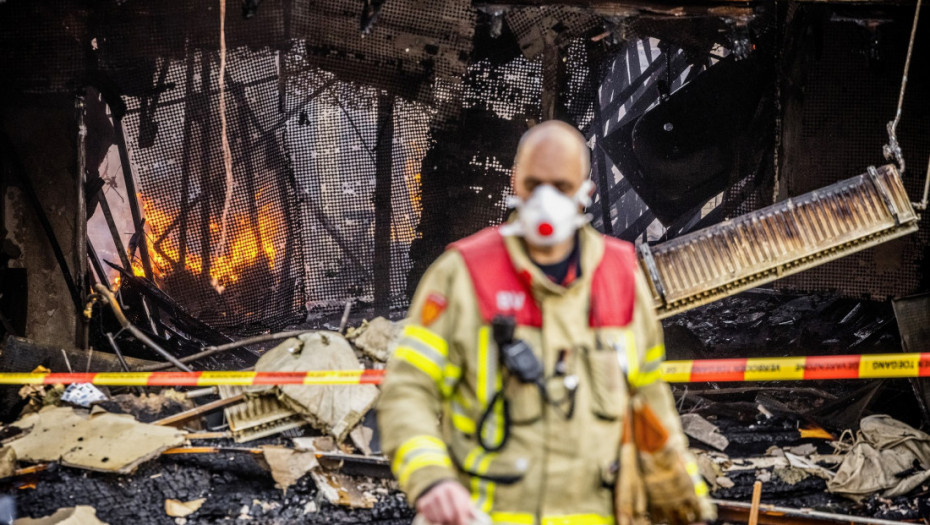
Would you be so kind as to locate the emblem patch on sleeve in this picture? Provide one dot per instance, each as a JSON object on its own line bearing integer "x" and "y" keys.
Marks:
{"x": 432, "y": 308}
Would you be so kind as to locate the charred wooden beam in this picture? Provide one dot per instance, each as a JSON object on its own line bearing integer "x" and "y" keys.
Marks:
{"x": 138, "y": 334}
{"x": 176, "y": 312}
{"x": 80, "y": 224}
{"x": 383, "y": 205}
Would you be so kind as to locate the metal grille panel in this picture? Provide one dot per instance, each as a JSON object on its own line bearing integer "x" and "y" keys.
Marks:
{"x": 778, "y": 240}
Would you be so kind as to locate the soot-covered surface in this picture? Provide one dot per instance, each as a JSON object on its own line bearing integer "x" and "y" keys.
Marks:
{"x": 236, "y": 487}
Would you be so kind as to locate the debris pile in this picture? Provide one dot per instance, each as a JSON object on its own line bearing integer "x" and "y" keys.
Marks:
{"x": 299, "y": 453}
{"x": 287, "y": 453}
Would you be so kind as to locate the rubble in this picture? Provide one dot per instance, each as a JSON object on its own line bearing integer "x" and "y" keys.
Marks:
{"x": 182, "y": 509}
{"x": 82, "y": 395}
{"x": 888, "y": 457}
{"x": 377, "y": 338}
{"x": 98, "y": 440}
{"x": 260, "y": 415}
{"x": 288, "y": 465}
{"x": 80, "y": 515}
{"x": 292, "y": 474}
{"x": 699, "y": 428}
{"x": 334, "y": 409}
{"x": 149, "y": 407}
{"x": 7, "y": 462}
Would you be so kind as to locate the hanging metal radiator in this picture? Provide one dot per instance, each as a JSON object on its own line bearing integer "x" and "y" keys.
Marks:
{"x": 779, "y": 240}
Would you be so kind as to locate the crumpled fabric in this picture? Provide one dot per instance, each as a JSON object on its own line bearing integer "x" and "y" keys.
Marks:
{"x": 888, "y": 457}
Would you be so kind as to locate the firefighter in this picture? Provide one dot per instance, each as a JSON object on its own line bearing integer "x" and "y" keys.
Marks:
{"x": 506, "y": 393}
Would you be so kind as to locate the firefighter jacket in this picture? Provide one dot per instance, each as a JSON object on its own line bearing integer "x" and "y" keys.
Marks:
{"x": 445, "y": 383}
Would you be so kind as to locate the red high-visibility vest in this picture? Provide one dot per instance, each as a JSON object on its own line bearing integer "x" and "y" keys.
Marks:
{"x": 501, "y": 290}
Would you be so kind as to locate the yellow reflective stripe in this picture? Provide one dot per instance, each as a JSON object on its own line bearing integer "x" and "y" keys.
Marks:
{"x": 484, "y": 393}
{"x": 412, "y": 445}
{"x": 488, "y": 383}
{"x": 656, "y": 353}
{"x": 646, "y": 378}
{"x": 482, "y": 491}
{"x": 460, "y": 419}
{"x": 450, "y": 377}
{"x": 700, "y": 488}
{"x": 512, "y": 518}
{"x": 427, "y": 337}
{"x": 420, "y": 362}
{"x": 642, "y": 374}
{"x": 691, "y": 468}
{"x": 654, "y": 358}
{"x": 472, "y": 458}
{"x": 578, "y": 519}
{"x": 463, "y": 424}
{"x": 431, "y": 459}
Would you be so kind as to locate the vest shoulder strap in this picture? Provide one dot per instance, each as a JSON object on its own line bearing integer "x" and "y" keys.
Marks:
{"x": 613, "y": 286}
{"x": 498, "y": 286}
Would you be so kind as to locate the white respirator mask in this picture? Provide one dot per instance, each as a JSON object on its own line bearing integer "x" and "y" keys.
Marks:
{"x": 549, "y": 217}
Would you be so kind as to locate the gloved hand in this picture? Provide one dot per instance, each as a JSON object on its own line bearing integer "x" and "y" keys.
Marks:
{"x": 658, "y": 481}
{"x": 448, "y": 503}
{"x": 676, "y": 496}
{"x": 630, "y": 503}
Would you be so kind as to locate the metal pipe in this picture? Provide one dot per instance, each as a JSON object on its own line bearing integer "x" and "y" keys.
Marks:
{"x": 213, "y": 350}
{"x": 95, "y": 262}
{"x": 139, "y": 334}
{"x": 769, "y": 514}
{"x": 922, "y": 205}
{"x": 345, "y": 317}
{"x": 132, "y": 198}
{"x": 200, "y": 392}
{"x": 114, "y": 231}
{"x": 116, "y": 350}
{"x": 137, "y": 219}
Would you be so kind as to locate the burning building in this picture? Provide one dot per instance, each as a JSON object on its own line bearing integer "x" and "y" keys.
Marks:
{"x": 294, "y": 166}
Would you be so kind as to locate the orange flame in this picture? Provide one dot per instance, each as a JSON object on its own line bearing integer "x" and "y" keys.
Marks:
{"x": 250, "y": 244}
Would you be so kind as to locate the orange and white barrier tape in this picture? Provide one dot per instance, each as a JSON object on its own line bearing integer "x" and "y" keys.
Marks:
{"x": 873, "y": 366}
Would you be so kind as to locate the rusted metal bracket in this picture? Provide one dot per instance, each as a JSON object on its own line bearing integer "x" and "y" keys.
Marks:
{"x": 883, "y": 191}
{"x": 645, "y": 255}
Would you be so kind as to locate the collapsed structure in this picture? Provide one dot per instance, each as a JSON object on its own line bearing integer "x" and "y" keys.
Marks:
{"x": 296, "y": 168}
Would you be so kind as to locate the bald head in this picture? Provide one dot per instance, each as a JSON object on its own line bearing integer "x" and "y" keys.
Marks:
{"x": 551, "y": 153}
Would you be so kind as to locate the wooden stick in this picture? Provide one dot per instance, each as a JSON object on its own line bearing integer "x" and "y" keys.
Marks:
{"x": 208, "y": 435}
{"x": 756, "y": 499}
{"x": 203, "y": 409}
